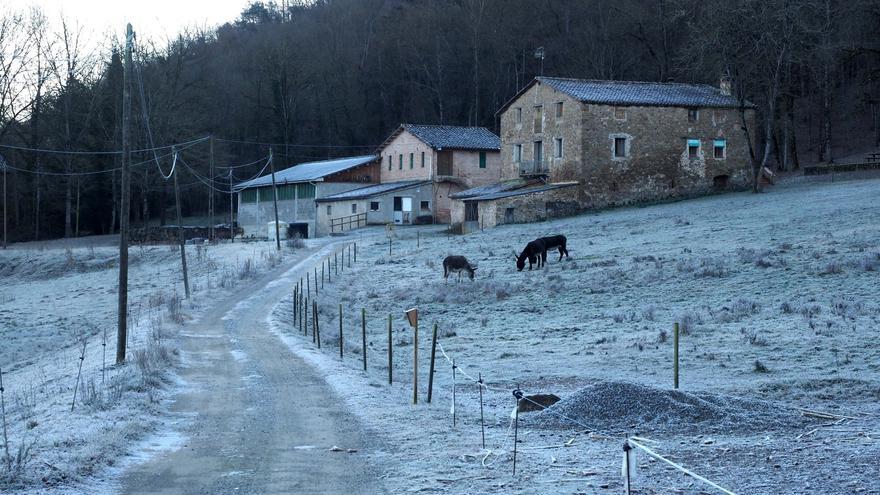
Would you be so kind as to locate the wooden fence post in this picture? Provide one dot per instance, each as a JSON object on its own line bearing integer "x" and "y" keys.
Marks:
{"x": 322, "y": 274}
{"x": 294, "y": 306}
{"x": 340, "y": 331}
{"x": 317, "y": 331}
{"x": 316, "y": 280}
{"x": 431, "y": 372}
{"x": 364, "y": 335}
{"x": 355, "y": 252}
{"x": 416, "y": 362}
{"x": 482, "y": 422}
{"x": 389, "y": 246}
{"x": 308, "y": 284}
{"x": 390, "y": 353}
{"x": 675, "y": 356}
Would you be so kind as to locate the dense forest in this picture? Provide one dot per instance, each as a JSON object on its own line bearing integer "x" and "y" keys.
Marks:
{"x": 325, "y": 78}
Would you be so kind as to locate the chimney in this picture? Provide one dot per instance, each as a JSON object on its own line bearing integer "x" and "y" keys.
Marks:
{"x": 724, "y": 85}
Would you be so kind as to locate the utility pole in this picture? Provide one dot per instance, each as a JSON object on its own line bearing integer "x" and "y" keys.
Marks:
{"x": 211, "y": 191}
{"x": 3, "y": 166}
{"x": 180, "y": 236}
{"x": 231, "y": 219}
{"x": 275, "y": 200}
{"x": 122, "y": 308}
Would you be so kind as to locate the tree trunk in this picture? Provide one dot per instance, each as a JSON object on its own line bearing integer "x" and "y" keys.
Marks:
{"x": 68, "y": 202}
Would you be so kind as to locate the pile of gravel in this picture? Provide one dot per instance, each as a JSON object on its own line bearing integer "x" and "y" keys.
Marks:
{"x": 621, "y": 407}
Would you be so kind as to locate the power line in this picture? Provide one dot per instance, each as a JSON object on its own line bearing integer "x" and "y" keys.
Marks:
{"x": 81, "y": 152}
{"x": 97, "y": 172}
{"x": 282, "y": 145}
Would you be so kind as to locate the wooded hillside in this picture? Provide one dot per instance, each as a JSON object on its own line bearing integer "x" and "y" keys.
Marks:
{"x": 332, "y": 78}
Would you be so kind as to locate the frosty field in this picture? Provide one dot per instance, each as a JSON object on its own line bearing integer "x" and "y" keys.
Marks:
{"x": 776, "y": 296}
{"x": 774, "y": 293}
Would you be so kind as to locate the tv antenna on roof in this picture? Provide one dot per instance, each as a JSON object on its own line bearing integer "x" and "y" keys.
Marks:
{"x": 539, "y": 53}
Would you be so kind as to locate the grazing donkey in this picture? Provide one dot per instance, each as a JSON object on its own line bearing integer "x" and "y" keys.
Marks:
{"x": 534, "y": 251}
{"x": 556, "y": 241}
{"x": 457, "y": 264}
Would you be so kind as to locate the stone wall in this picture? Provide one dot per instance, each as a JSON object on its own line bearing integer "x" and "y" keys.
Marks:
{"x": 568, "y": 128}
{"x": 657, "y": 165}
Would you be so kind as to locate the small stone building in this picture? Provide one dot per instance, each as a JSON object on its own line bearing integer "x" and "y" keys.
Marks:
{"x": 453, "y": 158}
{"x": 403, "y": 202}
{"x": 298, "y": 188}
{"x": 513, "y": 201}
{"x": 623, "y": 142}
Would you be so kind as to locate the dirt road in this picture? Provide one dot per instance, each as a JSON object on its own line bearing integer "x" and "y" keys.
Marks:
{"x": 263, "y": 420}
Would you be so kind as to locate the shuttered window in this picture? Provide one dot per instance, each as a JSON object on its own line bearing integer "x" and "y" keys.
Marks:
{"x": 482, "y": 159}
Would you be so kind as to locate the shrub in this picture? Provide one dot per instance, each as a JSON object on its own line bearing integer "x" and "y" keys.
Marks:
{"x": 760, "y": 368}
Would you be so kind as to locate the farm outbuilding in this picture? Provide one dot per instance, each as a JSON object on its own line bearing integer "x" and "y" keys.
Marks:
{"x": 405, "y": 202}
{"x": 298, "y": 188}
{"x": 513, "y": 201}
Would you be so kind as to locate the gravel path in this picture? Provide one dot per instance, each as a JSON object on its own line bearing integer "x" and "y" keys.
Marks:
{"x": 264, "y": 420}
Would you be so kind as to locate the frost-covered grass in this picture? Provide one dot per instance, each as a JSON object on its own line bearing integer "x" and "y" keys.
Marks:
{"x": 775, "y": 294}
{"x": 52, "y": 299}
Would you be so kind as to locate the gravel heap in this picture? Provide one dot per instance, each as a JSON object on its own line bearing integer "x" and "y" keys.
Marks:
{"x": 620, "y": 407}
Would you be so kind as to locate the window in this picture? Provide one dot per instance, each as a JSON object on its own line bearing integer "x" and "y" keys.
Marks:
{"x": 693, "y": 114}
{"x": 482, "y": 159}
{"x": 539, "y": 118}
{"x": 305, "y": 191}
{"x": 720, "y": 149}
{"x": 559, "y": 110}
{"x": 693, "y": 148}
{"x": 425, "y": 205}
{"x": 400, "y": 162}
{"x": 517, "y": 112}
{"x": 389, "y": 162}
{"x": 620, "y": 147}
{"x": 329, "y": 210}
{"x": 517, "y": 153}
{"x": 354, "y": 208}
{"x": 248, "y": 196}
{"x": 619, "y": 113}
{"x": 423, "y": 159}
{"x": 538, "y": 153}
{"x": 411, "y": 160}
{"x": 374, "y": 206}
{"x": 557, "y": 148}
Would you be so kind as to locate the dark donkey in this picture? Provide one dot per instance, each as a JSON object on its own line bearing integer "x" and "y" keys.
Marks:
{"x": 457, "y": 264}
{"x": 556, "y": 241}
{"x": 537, "y": 251}
{"x": 534, "y": 251}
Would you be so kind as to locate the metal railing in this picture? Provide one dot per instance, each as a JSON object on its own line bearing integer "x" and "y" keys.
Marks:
{"x": 531, "y": 167}
{"x": 347, "y": 223}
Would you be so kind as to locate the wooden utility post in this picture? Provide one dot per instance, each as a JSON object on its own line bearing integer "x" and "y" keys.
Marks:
{"x": 3, "y": 166}
{"x": 275, "y": 201}
{"x": 122, "y": 307}
{"x": 231, "y": 209}
{"x": 181, "y": 237}
{"x": 210, "y": 189}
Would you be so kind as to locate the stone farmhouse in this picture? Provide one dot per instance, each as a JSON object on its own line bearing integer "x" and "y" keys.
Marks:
{"x": 569, "y": 145}
{"x": 452, "y": 158}
{"x": 298, "y": 188}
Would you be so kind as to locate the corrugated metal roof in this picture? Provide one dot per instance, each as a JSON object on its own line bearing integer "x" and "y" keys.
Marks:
{"x": 642, "y": 93}
{"x": 307, "y": 172}
{"x": 374, "y": 190}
